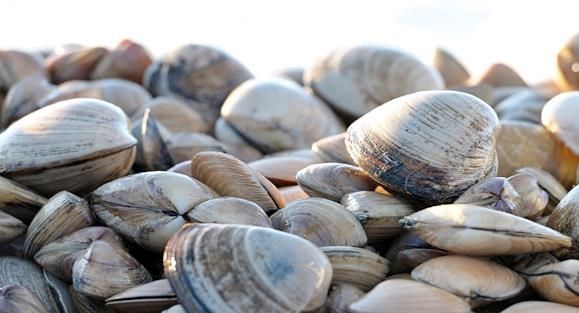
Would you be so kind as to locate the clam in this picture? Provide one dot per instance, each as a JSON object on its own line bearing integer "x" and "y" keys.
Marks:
{"x": 10, "y": 227}
{"x": 233, "y": 268}
{"x": 63, "y": 214}
{"x": 147, "y": 298}
{"x": 229, "y": 176}
{"x": 565, "y": 219}
{"x": 428, "y": 146}
{"x": 478, "y": 231}
{"x": 182, "y": 168}
{"x": 358, "y": 79}
{"x": 481, "y": 91}
{"x": 175, "y": 309}
{"x": 568, "y": 65}
{"x": 557, "y": 117}
{"x": 61, "y": 292}
{"x": 412, "y": 258}
{"x": 475, "y": 280}
{"x": 17, "y": 299}
{"x": 105, "y": 270}
{"x": 535, "y": 199}
{"x": 276, "y": 114}
{"x": 128, "y": 60}
{"x": 523, "y": 106}
{"x": 293, "y": 193}
{"x": 333, "y": 180}
{"x": 18, "y": 200}
{"x": 201, "y": 74}
{"x": 24, "y": 98}
{"x": 332, "y": 149}
{"x": 85, "y": 304}
{"x": 184, "y": 146}
{"x": 501, "y": 75}
{"x": 321, "y": 221}
{"x": 152, "y": 153}
{"x": 406, "y": 241}
{"x": 177, "y": 116}
{"x": 295, "y": 74}
{"x": 229, "y": 210}
{"x": 58, "y": 257}
{"x": 16, "y": 65}
{"x": 74, "y": 65}
{"x": 547, "y": 182}
{"x": 451, "y": 70}
{"x": 358, "y": 267}
{"x": 341, "y": 296}
{"x": 539, "y": 307}
{"x": 282, "y": 170}
{"x": 75, "y": 145}
{"x": 235, "y": 144}
{"x": 558, "y": 282}
{"x": 147, "y": 208}
{"x": 378, "y": 213}
{"x": 392, "y": 296}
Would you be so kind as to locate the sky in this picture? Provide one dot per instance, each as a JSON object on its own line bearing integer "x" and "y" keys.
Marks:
{"x": 270, "y": 35}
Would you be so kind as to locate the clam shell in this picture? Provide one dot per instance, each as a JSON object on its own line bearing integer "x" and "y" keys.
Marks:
{"x": 128, "y": 60}
{"x": 75, "y": 145}
{"x": 63, "y": 214}
{"x": 184, "y": 146}
{"x": 481, "y": 91}
{"x": 565, "y": 219}
{"x": 233, "y": 268}
{"x": 333, "y": 180}
{"x": 229, "y": 176}
{"x": 16, "y": 65}
{"x": 523, "y": 106}
{"x": 547, "y": 182}
{"x": 378, "y": 213}
{"x": 10, "y": 227}
{"x": 293, "y": 193}
{"x": 182, "y": 168}
{"x": 105, "y": 270}
{"x": 557, "y": 118}
{"x": 24, "y": 98}
{"x": 276, "y": 114}
{"x": 152, "y": 152}
{"x": 85, "y": 304}
{"x": 323, "y": 222}
{"x": 478, "y": 281}
{"x": 534, "y": 198}
{"x": 495, "y": 193}
{"x": 229, "y": 210}
{"x": 356, "y": 80}
{"x": 392, "y": 296}
{"x": 558, "y": 282}
{"x": 405, "y": 241}
{"x": 147, "y": 298}
{"x": 147, "y": 208}
{"x": 415, "y": 145}
{"x": 175, "y": 309}
{"x": 567, "y": 59}
{"x": 358, "y": 267}
{"x": 234, "y": 143}
{"x": 177, "y": 116}
{"x": 17, "y": 299}
{"x": 18, "y": 200}
{"x": 478, "y": 231}
{"x": 341, "y": 296}
{"x": 58, "y": 257}
{"x": 539, "y": 307}
{"x": 412, "y": 258}
{"x": 282, "y": 170}
{"x": 74, "y": 65}
{"x": 501, "y": 75}
{"x": 451, "y": 70}
{"x": 295, "y": 74}
{"x": 199, "y": 73}
{"x": 333, "y": 149}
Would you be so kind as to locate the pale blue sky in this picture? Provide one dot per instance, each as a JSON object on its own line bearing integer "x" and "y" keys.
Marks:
{"x": 268, "y": 35}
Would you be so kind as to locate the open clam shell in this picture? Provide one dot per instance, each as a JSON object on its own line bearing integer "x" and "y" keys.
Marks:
{"x": 416, "y": 145}
{"x": 477, "y": 281}
{"x": 321, "y": 221}
{"x": 73, "y": 145}
{"x": 233, "y": 268}
{"x": 478, "y": 231}
{"x": 147, "y": 298}
{"x": 147, "y": 208}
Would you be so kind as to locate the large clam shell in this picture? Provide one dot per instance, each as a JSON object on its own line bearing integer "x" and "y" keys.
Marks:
{"x": 17, "y": 299}
{"x": 558, "y": 282}
{"x": 428, "y": 146}
{"x": 147, "y": 208}
{"x": 557, "y": 117}
{"x": 358, "y": 79}
{"x": 199, "y": 73}
{"x": 359, "y": 267}
{"x": 276, "y": 114}
{"x": 565, "y": 219}
{"x": 233, "y": 268}
{"x": 229, "y": 176}
{"x": 75, "y": 145}
{"x": 321, "y": 221}
{"x": 539, "y": 307}
{"x": 477, "y": 281}
{"x": 393, "y": 296}
{"x": 478, "y": 231}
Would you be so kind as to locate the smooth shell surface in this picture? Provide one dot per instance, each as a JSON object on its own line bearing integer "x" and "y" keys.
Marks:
{"x": 501, "y": 75}
{"x": 568, "y": 65}
{"x": 282, "y": 170}
{"x": 558, "y": 282}
{"x": 539, "y": 307}
{"x": 451, "y": 70}
{"x": 333, "y": 149}
{"x": 557, "y": 117}
{"x": 177, "y": 116}
{"x": 24, "y": 98}
{"x": 232, "y": 268}
{"x": 229, "y": 210}
{"x": 17, "y": 299}
{"x": 358, "y": 79}
{"x": 428, "y": 146}
{"x": 565, "y": 219}
{"x": 128, "y": 60}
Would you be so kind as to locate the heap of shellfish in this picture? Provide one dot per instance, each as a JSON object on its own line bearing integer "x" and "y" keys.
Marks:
{"x": 369, "y": 182}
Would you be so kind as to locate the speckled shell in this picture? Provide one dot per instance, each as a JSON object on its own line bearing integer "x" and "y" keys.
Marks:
{"x": 75, "y": 145}
{"x": 234, "y": 268}
{"x": 428, "y": 146}
{"x": 558, "y": 117}
{"x": 568, "y": 65}
{"x": 276, "y": 114}
{"x": 358, "y": 79}
{"x": 128, "y": 60}
{"x": 451, "y": 70}
{"x": 200, "y": 73}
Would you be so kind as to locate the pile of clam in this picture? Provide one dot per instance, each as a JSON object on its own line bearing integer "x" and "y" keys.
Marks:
{"x": 369, "y": 182}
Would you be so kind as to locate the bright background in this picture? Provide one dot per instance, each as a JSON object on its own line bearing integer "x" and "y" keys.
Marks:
{"x": 269, "y": 35}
